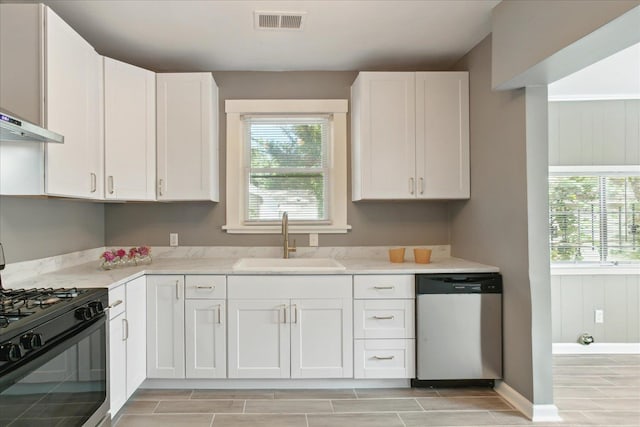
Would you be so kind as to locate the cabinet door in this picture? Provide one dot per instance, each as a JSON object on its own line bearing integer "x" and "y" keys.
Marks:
{"x": 383, "y": 139}
{"x": 73, "y": 75}
{"x": 187, "y": 123}
{"x": 117, "y": 364}
{"x": 321, "y": 338}
{"x": 130, "y": 131}
{"x": 259, "y": 339}
{"x": 442, "y": 135}
{"x": 165, "y": 322}
{"x": 205, "y": 340}
{"x": 136, "y": 333}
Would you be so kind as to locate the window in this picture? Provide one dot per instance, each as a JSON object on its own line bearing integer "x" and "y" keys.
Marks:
{"x": 286, "y": 156}
{"x": 594, "y": 217}
{"x": 287, "y": 166}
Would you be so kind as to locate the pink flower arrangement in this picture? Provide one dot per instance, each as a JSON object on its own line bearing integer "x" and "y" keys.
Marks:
{"x": 119, "y": 258}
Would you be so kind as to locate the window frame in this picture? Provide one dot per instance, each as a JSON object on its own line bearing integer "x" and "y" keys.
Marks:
{"x": 237, "y": 177}
{"x": 595, "y": 171}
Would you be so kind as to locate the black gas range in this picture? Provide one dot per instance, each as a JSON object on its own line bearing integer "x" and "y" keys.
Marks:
{"x": 53, "y": 356}
{"x": 32, "y": 320}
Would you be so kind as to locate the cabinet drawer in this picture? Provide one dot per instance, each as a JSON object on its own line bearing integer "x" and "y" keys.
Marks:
{"x": 384, "y": 318}
{"x": 384, "y": 286}
{"x": 384, "y": 359}
{"x": 205, "y": 286}
{"x": 115, "y": 295}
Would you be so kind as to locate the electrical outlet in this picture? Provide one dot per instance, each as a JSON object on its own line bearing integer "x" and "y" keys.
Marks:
{"x": 313, "y": 239}
{"x": 599, "y": 315}
{"x": 173, "y": 239}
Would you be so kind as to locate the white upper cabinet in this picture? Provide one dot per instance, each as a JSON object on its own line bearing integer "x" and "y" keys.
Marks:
{"x": 130, "y": 131}
{"x": 383, "y": 135}
{"x": 442, "y": 135}
{"x": 73, "y": 108}
{"x": 187, "y": 137}
{"x": 410, "y": 135}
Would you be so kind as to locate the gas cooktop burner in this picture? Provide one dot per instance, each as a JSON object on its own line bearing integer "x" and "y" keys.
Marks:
{"x": 16, "y": 304}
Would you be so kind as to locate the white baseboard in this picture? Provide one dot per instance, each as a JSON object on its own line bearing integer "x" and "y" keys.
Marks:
{"x": 596, "y": 348}
{"x": 274, "y": 383}
{"x": 536, "y": 413}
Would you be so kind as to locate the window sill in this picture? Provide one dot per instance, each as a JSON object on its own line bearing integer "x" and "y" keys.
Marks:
{"x": 594, "y": 270}
{"x": 293, "y": 229}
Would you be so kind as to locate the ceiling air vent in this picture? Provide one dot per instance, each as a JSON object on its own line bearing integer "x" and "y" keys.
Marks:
{"x": 279, "y": 20}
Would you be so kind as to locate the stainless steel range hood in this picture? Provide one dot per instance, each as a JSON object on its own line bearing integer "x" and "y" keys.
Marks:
{"x": 18, "y": 130}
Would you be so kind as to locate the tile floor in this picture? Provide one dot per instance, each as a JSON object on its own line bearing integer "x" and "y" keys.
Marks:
{"x": 601, "y": 390}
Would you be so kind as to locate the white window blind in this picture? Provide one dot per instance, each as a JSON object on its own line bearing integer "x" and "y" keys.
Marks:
{"x": 287, "y": 168}
{"x": 594, "y": 218}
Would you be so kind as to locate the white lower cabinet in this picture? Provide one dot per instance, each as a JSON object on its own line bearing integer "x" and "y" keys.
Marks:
{"x": 186, "y": 337}
{"x": 303, "y": 329}
{"x": 205, "y": 339}
{"x": 127, "y": 341}
{"x": 117, "y": 364}
{"x": 384, "y": 326}
{"x": 165, "y": 335}
{"x": 259, "y": 337}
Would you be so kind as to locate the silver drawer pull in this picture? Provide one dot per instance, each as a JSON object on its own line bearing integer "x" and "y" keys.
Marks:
{"x": 383, "y": 287}
{"x": 115, "y": 304}
{"x": 384, "y": 317}
{"x": 383, "y": 357}
{"x": 205, "y": 287}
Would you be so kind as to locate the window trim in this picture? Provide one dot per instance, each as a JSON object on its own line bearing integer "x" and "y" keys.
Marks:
{"x": 236, "y": 177}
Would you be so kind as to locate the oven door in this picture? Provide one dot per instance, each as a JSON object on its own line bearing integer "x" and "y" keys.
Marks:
{"x": 67, "y": 385}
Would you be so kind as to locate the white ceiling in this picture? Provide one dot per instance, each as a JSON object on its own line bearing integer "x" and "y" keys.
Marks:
{"x": 615, "y": 77}
{"x": 219, "y": 35}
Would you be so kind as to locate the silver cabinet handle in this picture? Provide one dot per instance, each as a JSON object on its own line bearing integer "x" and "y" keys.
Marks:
{"x": 383, "y": 287}
{"x": 115, "y": 303}
{"x": 219, "y": 313}
{"x": 110, "y": 184}
{"x": 177, "y": 289}
{"x": 421, "y": 185}
{"x": 205, "y": 287}
{"x": 411, "y": 185}
{"x": 94, "y": 180}
{"x": 125, "y": 329}
{"x": 284, "y": 310}
{"x": 383, "y": 357}
{"x": 384, "y": 317}
{"x": 295, "y": 313}
{"x": 160, "y": 182}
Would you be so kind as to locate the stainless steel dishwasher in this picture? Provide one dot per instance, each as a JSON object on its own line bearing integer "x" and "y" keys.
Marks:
{"x": 458, "y": 328}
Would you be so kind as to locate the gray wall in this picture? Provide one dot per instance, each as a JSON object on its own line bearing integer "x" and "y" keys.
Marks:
{"x": 374, "y": 223}
{"x": 538, "y": 42}
{"x": 33, "y": 228}
{"x": 492, "y": 226}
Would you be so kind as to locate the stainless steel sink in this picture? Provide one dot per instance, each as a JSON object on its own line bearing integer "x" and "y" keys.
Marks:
{"x": 288, "y": 264}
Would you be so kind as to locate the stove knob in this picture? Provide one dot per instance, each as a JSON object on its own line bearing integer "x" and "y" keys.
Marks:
{"x": 10, "y": 352}
{"x": 84, "y": 313}
{"x": 96, "y": 306}
{"x": 31, "y": 340}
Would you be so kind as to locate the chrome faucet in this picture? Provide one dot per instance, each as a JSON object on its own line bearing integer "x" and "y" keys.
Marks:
{"x": 285, "y": 233}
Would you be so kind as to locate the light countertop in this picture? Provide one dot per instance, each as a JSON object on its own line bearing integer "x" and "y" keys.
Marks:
{"x": 90, "y": 275}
